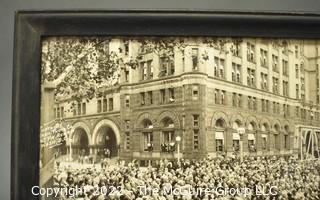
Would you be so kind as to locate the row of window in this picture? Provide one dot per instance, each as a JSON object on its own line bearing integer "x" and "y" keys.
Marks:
{"x": 59, "y": 112}
{"x": 166, "y": 95}
{"x": 220, "y": 144}
{"x": 307, "y": 114}
{"x": 168, "y": 143}
{"x": 251, "y": 102}
{"x": 78, "y": 109}
{"x": 104, "y": 105}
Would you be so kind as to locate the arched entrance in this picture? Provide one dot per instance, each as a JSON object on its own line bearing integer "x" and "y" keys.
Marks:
{"x": 106, "y": 142}
{"x": 80, "y": 142}
{"x": 106, "y": 137}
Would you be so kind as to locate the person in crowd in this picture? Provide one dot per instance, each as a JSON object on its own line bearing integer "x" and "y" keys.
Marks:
{"x": 259, "y": 178}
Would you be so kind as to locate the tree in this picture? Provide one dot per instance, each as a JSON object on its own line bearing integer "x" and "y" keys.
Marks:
{"x": 79, "y": 66}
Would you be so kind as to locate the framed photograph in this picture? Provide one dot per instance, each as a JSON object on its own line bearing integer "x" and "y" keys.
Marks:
{"x": 162, "y": 105}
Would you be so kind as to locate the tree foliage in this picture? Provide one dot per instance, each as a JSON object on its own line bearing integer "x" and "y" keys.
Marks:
{"x": 88, "y": 64}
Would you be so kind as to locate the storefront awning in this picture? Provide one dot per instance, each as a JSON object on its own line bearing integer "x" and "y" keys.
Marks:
{"x": 235, "y": 136}
{"x": 251, "y": 136}
{"x": 219, "y": 136}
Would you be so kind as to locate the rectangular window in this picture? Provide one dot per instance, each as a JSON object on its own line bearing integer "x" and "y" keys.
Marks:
{"x": 150, "y": 69}
{"x": 264, "y": 81}
{"x": 251, "y": 145}
{"x": 84, "y": 108}
{"x": 267, "y": 106}
{"x": 234, "y": 99}
{"x": 236, "y": 73}
{"x": 219, "y": 145}
{"x": 263, "y": 105}
{"x": 285, "y": 68}
{"x": 250, "y": 52}
{"x": 110, "y": 104}
{"x": 301, "y": 68}
{"x": 74, "y": 110}
{"x": 127, "y": 124}
{"x": 163, "y": 66}
{"x": 296, "y": 51}
{"x": 148, "y": 141}
{"x": 286, "y": 141}
{"x": 219, "y": 67}
{"x": 168, "y": 137}
{"x": 275, "y": 66}
{"x": 126, "y": 48}
{"x": 285, "y": 87}
{"x": 79, "y": 108}
{"x": 302, "y": 84}
{"x": 216, "y": 66}
{"x": 223, "y": 97}
{"x": 171, "y": 95}
{"x": 254, "y": 103}
{"x": 275, "y": 86}
{"x": 195, "y": 93}
{"x": 126, "y": 75}
{"x": 55, "y": 112}
{"x": 297, "y": 71}
{"x": 62, "y": 112}
{"x": 171, "y": 68}
{"x": 235, "y": 49}
{"x": 264, "y": 143}
{"x": 127, "y": 143}
{"x": 249, "y": 102}
{"x": 216, "y": 96}
{"x": 127, "y": 101}
{"x": 105, "y": 105}
{"x": 238, "y": 78}
{"x": 251, "y": 77}
{"x": 239, "y": 100}
{"x": 297, "y": 111}
{"x": 196, "y": 139}
{"x": 150, "y": 97}
{"x": 168, "y": 141}
{"x": 144, "y": 71}
{"x": 196, "y": 120}
{"x": 162, "y": 95}
{"x": 58, "y": 112}
{"x": 195, "y": 59}
{"x": 263, "y": 58}
{"x": 236, "y": 145}
{"x": 297, "y": 92}
{"x": 142, "y": 98}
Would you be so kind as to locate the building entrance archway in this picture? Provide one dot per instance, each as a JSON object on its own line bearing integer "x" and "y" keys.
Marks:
{"x": 106, "y": 142}
{"x": 80, "y": 142}
{"x": 106, "y": 136}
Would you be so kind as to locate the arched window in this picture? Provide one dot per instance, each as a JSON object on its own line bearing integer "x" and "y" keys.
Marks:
{"x": 287, "y": 137}
{"x": 168, "y": 135}
{"x": 219, "y": 135}
{"x": 251, "y": 137}
{"x": 235, "y": 135}
{"x": 220, "y": 123}
{"x": 276, "y": 128}
{"x": 236, "y": 124}
{"x": 264, "y": 128}
{"x": 147, "y": 135}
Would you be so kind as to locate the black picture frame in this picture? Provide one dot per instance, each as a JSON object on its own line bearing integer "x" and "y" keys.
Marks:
{"x": 32, "y": 26}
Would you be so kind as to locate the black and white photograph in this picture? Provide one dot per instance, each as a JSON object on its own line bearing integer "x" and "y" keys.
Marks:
{"x": 179, "y": 118}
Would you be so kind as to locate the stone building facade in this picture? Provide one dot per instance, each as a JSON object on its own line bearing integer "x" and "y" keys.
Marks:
{"x": 203, "y": 94}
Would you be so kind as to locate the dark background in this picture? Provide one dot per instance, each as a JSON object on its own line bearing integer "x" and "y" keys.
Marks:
{"x": 8, "y": 7}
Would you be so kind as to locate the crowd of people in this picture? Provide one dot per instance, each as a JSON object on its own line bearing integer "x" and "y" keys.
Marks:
{"x": 211, "y": 178}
